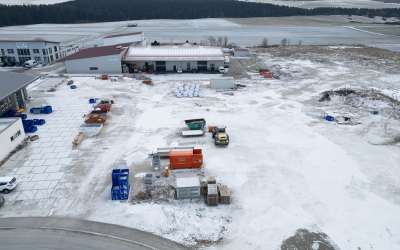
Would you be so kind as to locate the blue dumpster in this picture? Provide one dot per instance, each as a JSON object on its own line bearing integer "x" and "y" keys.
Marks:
{"x": 38, "y": 122}
{"x": 329, "y": 118}
{"x": 47, "y": 109}
{"x": 120, "y": 184}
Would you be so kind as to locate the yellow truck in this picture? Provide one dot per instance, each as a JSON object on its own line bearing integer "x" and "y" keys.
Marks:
{"x": 221, "y": 138}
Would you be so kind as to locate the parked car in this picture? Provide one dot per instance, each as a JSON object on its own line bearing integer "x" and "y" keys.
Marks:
{"x": 7, "y": 184}
{"x": 30, "y": 64}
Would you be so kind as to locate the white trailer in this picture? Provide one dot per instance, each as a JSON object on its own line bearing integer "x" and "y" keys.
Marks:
{"x": 223, "y": 83}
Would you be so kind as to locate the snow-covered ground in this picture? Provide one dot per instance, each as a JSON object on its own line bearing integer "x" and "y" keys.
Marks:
{"x": 313, "y": 30}
{"x": 287, "y": 167}
{"x": 32, "y": 2}
{"x": 310, "y": 4}
{"x": 302, "y": 4}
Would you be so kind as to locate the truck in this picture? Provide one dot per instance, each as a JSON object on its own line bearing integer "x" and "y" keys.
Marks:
{"x": 185, "y": 159}
{"x": 96, "y": 116}
{"x": 104, "y": 105}
{"x": 221, "y": 138}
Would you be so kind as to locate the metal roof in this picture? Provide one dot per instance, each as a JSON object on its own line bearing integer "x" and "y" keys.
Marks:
{"x": 29, "y": 40}
{"x": 7, "y": 122}
{"x": 187, "y": 181}
{"x": 175, "y": 53}
{"x": 98, "y": 51}
{"x": 10, "y": 82}
{"x": 124, "y": 34}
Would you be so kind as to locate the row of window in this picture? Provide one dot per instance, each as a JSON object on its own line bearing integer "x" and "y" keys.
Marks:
{"x": 12, "y": 138}
{"x": 25, "y": 52}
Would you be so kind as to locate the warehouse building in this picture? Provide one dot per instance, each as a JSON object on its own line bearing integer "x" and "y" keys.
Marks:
{"x": 97, "y": 60}
{"x": 183, "y": 58}
{"x": 13, "y": 94}
{"x": 16, "y": 52}
{"x": 11, "y": 135}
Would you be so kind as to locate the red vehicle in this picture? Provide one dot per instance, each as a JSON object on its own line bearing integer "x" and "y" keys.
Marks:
{"x": 185, "y": 159}
{"x": 104, "y": 105}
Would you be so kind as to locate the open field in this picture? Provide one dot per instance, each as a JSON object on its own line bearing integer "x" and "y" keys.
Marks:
{"x": 310, "y": 4}
{"x": 289, "y": 169}
{"x": 317, "y": 30}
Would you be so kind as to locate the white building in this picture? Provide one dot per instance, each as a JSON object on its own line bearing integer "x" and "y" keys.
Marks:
{"x": 96, "y": 60}
{"x": 223, "y": 83}
{"x": 11, "y": 135}
{"x": 16, "y": 52}
{"x": 183, "y": 58}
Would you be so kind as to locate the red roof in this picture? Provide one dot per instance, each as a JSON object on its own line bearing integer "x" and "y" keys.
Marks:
{"x": 125, "y": 34}
{"x": 98, "y": 51}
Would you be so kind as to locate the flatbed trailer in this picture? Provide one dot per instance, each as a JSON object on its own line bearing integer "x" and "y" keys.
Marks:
{"x": 192, "y": 133}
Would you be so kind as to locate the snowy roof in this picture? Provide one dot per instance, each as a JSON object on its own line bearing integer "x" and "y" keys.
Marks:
{"x": 124, "y": 34}
{"x": 11, "y": 82}
{"x": 175, "y": 53}
{"x": 189, "y": 181}
{"x": 6, "y": 122}
{"x": 98, "y": 51}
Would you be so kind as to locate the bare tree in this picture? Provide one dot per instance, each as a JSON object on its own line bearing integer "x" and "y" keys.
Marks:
{"x": 300, "y": 43}
{"x": 284, "y": 42}
{"x": 264, "y": 42}
{"x": 226, "y": 41}
{"x": 212, "y": 41}
{"x": 220, "y": 41}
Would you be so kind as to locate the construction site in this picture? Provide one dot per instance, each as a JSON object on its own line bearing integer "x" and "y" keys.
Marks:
{"x": 297, "y": 144}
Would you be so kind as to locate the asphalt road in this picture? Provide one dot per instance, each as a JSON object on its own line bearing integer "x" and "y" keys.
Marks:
{"x": 44, "y": 233}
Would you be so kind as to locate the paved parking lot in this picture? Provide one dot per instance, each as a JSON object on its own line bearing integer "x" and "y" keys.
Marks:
{"x": 41, "y": 166}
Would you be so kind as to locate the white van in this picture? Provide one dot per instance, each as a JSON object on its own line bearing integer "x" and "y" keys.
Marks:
{"x": 7, "y": 184}
{"x": 30, "y": 63}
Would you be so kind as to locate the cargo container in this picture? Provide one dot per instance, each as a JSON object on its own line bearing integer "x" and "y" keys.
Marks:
{"x": 212, "y": 195}
{"x": 224, "y": 194}
{"x": 187, "y": 187}
{"x": 185, "y": 159}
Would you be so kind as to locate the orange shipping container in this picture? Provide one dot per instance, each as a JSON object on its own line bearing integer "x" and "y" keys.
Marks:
{"x": 185, "y": 159}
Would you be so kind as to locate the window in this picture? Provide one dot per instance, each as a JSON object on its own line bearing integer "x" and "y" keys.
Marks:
{"x": 2, "y": 51}
{"x": 55, "y": 48}
{"x": 51, "y": 58}
{"x": 56, "y": 56}
{"x": 12, "y": 138}
{"x": 23, "y": 52}
{"x": 50, "y": 51}
{"x": 10, "y": 51}
{"x": 38, "y": 58}
{"x": 93, "y": 68}
{"x": 36, "y": 51}
{"x": 44, "y": 51}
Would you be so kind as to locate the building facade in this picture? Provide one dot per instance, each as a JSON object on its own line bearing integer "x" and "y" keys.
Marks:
{"x": 17, "y": 52}
{"x": 96, "y": 60}
{"x": 11, "y": 135}
{"x": 183, "y": 58}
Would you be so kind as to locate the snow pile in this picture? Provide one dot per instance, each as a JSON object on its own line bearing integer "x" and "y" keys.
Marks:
{"x": 188, "y": 90}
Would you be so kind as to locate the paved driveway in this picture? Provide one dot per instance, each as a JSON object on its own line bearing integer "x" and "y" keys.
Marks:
{"x": 71, "y": 234}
